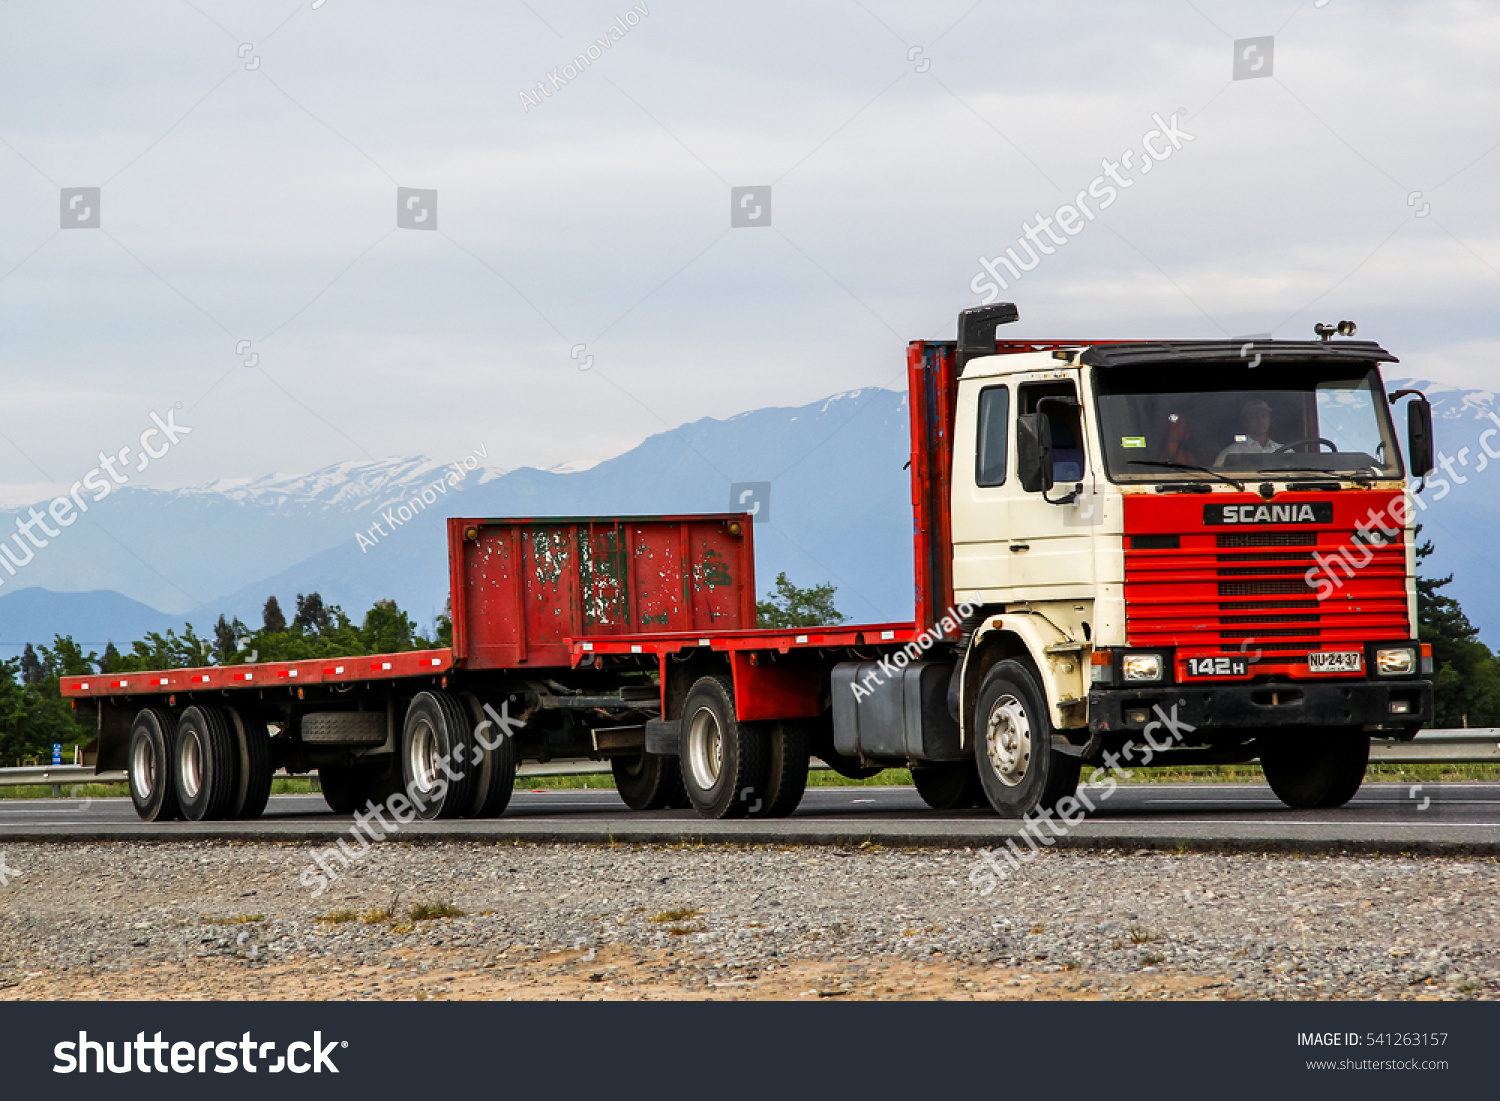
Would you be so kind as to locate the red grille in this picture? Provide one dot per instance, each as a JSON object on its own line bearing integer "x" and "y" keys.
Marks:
{"x": 1211, "y": 594}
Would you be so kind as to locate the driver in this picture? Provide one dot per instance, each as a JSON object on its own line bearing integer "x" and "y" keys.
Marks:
{"x": 1256, "y": 416}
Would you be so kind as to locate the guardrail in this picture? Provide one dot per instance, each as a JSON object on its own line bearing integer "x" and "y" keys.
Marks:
{"x": 1477, "y": 746}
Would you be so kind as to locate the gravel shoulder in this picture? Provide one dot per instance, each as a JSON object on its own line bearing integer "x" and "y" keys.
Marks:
{"x": 219, "y": 921}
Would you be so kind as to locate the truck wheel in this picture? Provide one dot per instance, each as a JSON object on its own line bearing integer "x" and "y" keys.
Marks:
{"x": 648, "y": 782}
{"x": 786, "y": 769}
{"x": 440, "y": 760}
{"x": 254, "y": 786}
{"x": 151, "y": 790}
{"x": 495, "y": 776}
{"x": 1317, "y": 770}
{"x": 723, "y": 759}
{"x": 345, "y": 787}
{"x": 1012, "y": 735}
{"x": 206, "y": 764}
{"x": 952, "y": 785}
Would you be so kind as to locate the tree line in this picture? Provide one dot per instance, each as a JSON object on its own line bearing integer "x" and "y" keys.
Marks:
{"x": 34, "y": 716}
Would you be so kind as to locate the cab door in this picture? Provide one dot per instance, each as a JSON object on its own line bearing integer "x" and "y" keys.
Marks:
{"x": 982, "y": 485}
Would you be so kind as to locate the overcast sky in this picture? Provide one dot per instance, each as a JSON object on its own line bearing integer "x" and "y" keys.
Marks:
{"x": 249, "y": 155}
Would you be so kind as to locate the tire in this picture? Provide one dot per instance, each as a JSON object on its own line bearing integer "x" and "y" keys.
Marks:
{"x": 648, "y": 782}
{"x": 723, "y": 760}
{"x": 786, "y": 769}
{"x": 495, "y": 778}
{"x": 1318, "y": 770}
{"x": 440, "y": 761}
{"x": 149, "y": 759}
{"x": 1010, "y": 723}
{"x": 255, "y": 768}
{"x": 345, "y": 787}
{"x": 952, "y": 785}
{"x": 205, "y": 764}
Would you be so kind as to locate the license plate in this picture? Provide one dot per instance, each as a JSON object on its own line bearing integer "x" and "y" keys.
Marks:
{"x": 1335, "y": 661}
{"x": 1218, "y": 667}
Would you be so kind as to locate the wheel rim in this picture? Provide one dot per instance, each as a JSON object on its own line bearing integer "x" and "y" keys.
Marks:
{"x": 705, "y": 749}
{"x": 1007, "y": 740}
{"x": 422, "y": 756}
{"x": 190, "y": 764}
{"x": 143, "y": 768}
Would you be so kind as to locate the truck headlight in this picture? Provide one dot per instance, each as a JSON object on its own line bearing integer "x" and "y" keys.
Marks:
{"x": 1140, "y": 667}
{"x": 1398, "y": 661}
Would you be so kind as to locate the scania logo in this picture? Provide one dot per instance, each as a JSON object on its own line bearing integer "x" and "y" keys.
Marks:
{"x": 1300, "y": 512}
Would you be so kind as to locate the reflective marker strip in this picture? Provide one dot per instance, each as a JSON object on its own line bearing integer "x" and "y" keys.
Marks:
{"x": 886, "y": 636}
{"x": 202, "y": 678}
{"x": 800, "y": 638}
{"x": 121, "y": 684}
{"x": 246, "y": 676}
{"x": 635, "y": 649}
{"x": 437, "y": 661}
{"x": 704, "y": 642}
{"x": 588, "y": 645}
{"x": 162, "y": 681}
{"x": 84, "y": 687}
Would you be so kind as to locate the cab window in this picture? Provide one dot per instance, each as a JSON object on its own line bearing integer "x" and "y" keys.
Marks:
{"x": 994, "y": 423}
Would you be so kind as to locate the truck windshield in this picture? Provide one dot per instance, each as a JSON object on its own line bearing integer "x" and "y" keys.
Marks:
{"x": 1281, "y": 420}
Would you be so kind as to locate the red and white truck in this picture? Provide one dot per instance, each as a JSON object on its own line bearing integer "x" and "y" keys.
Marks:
{"x": 1161, "y": 552}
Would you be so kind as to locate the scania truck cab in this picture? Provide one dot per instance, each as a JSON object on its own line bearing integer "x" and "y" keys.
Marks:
{"x": 1170, "y": 552}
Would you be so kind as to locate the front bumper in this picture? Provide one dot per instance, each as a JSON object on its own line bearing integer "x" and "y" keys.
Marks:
{"x": 1277, "y": 705}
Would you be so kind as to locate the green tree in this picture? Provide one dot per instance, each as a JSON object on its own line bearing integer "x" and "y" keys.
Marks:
{"x": 312, "y": 617}
{"x": 789, "y": 606}
{"x": 389, "y": 630}
{"x": 273, "y": 622}
{"x": 1466, "y": 675}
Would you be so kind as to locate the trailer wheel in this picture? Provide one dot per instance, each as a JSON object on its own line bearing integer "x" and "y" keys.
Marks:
{"x": 495, "y": 778}
{"x": 723, "y": 759}
{"x": 648, "y": 782}
{"x": 1318, "y": 770}
{"x": 345, "y": 787}
{"x": 255, "y": 768}
{"x": 952, "y": 785}
{"x": 786, "y": 769}
{"x": 1012, "y": 733}
{"x": 440, "y": 760}
{"x": 150, "y": 757}
{"x": 205, "y": 764}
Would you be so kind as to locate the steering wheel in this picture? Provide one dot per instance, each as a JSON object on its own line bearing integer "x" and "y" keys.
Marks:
{"x": 1311, "y": 439}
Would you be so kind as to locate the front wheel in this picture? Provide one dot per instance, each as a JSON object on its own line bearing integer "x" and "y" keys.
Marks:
{"x": 952, "y": 785}
{"x": 1012, "y": 733}
{"x": 1317, "y": 770}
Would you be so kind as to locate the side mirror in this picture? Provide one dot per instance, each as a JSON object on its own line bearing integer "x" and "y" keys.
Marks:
{"x": 1419, "y": 437}
{"x": 1034, "y": 452}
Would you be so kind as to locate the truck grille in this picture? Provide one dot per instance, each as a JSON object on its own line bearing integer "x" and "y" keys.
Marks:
{"x": 1248, "y": 592}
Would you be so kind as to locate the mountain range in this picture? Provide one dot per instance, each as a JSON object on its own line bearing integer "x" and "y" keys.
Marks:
{"x": 838, "y": 511}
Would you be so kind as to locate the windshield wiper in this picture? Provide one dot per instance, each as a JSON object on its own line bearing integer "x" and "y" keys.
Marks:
{"x": 1188, "y": 466}
{"x": 1362, "y": 479}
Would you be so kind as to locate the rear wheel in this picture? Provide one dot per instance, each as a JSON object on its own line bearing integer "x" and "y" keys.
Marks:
{"x": 440, "y": 760}
{"x": 1012, "y": 732}
{"x": 345, "y": 787}
{"x": 723, "y": 759}
{"x": 255, "y": 768}
{"x": 952, "y": 785}
{"x": 150, "y": 755}
{"x": 1317, "y": 770}
{"x": 495, "y": 771}
{"x": 206, "y": 764}
{"x": 786, "y": 769}
{"x": 648, "y": 782}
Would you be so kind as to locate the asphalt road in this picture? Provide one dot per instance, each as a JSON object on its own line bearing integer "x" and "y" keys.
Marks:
{"x": 1382, "y": 817}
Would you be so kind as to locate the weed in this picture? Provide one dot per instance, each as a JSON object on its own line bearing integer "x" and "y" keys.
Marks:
{"x": 338, "y": 917}
{"x": 431, "y": 911}
{"x": 1151, "y": 959}
{"x": 242, "y": 919}
{"x": 1139, "y": 934}
{"x": 682, "y": 913}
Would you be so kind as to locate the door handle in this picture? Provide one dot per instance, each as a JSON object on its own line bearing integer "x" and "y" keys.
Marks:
{"x": 1019, "y": 547}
